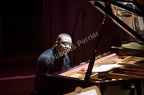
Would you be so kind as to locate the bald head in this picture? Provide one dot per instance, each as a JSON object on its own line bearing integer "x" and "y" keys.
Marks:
{"x": 63, "y": 43}
{"x": 62, "y": 35}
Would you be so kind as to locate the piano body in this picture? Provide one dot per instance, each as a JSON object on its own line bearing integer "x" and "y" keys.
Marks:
{"x": 117, "y": 72}
{"x": 107, "y": 75}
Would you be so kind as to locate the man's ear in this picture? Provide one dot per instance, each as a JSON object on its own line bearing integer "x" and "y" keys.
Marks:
{"x": 56, "y": 43}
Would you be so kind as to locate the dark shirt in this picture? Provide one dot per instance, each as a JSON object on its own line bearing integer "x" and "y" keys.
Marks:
{"x": 50, "y": 62}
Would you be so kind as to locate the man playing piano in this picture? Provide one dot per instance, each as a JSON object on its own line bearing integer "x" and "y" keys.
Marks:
{"x": 54, "y": 59}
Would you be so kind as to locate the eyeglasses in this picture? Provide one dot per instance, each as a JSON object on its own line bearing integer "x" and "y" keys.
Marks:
{"x": 66, "y": 43}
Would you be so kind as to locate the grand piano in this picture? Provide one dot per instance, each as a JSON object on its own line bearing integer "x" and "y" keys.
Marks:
{"x": 117, "y": 72}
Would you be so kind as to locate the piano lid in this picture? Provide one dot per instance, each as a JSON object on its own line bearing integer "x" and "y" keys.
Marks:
{"x": 130, "y": 6}
{"x": 128, "y": 14}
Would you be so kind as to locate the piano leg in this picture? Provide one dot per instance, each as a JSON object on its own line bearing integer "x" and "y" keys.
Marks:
{"x": 142, "y": 86}
{"x": 132, "y": 91}
{"x": 136, "y": 87}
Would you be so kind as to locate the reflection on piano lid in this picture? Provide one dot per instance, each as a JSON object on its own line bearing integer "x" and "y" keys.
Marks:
{"x": 121, "y": 9}
{"x": 133, "y": 45}
{"x": 129, "y": 48}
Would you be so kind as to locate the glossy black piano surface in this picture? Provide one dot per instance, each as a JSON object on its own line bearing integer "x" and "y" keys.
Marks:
{"x": 59, "y": 85}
